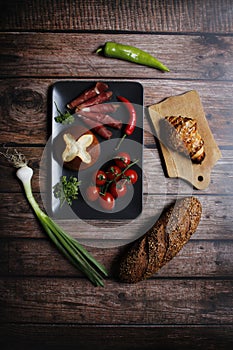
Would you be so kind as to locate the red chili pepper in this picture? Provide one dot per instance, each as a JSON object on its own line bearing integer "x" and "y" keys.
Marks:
{"x": 132, "y": 120}
{"x": 133, "y": 117}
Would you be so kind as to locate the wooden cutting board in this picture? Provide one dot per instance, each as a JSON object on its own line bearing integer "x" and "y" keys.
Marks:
{"x": 189, "y": 105}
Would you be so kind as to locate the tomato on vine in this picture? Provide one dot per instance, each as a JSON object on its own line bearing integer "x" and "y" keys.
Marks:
{"x": 107, "y": 201}
{"x": 118, "y": 189}
{"x": 113, "y": 173}
{"x": 100, "y": 178}
{"x": 112, "y": 181}
{"x": 131, "y": 176}
{"x": 92, "y": 193}
{"x": 122, "y": 160}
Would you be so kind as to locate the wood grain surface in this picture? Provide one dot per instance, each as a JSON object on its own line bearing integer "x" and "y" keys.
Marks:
{"x": 44, "y": 301}
{"x": 130, "y": 15}
{"x": 208, "y": 55}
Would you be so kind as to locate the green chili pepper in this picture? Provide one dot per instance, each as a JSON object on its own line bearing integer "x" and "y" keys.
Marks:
{"x": 132, "y": 54}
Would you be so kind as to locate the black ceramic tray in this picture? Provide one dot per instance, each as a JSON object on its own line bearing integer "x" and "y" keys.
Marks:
{"x": 125, "y": 208}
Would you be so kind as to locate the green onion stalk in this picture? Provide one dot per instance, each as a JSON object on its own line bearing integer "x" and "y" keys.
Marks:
{"x": 66, "y": 244}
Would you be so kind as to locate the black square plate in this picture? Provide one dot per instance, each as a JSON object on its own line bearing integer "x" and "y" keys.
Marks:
{"x": 63, "y": 92}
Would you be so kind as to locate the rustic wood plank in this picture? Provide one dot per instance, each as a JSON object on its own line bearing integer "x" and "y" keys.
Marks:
{"x": 153, "y": 168}
{"x": 161, "y": 301}
{"x": 24, "y": 111}
{"x": 74, "y": 336}
{"x": 199, "y": 258}
{"x": 25, "y": 107}
{"x": 18, "y": 220}
{"x": 41, "y": 306}
{"x": 166, "y": 16}
{"x": 203, "y": 56}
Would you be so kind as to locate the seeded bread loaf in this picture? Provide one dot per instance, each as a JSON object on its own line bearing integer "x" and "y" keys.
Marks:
{"x": 162, "y": 242}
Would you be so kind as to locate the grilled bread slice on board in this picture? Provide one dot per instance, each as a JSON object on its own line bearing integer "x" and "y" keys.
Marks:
{"x": 188, "y": 105}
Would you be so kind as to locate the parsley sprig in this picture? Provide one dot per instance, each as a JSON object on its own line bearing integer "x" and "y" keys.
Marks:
{"x": 66, "y": 190}
{"x": 63, "y": 118}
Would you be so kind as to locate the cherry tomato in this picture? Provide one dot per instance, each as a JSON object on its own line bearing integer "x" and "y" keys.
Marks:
{"x": 100, "y": 178}
{"x": 118, "y": 189}
{"x": 92, "y": 193}
{"x": 122, "y": 160}
{"x": 113, "y": 173}
{"x": 131, "y": 176}
{"x": 107, "y": 201}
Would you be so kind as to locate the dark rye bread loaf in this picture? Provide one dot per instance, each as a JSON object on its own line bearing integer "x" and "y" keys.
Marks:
{"x": 162, "y": 242}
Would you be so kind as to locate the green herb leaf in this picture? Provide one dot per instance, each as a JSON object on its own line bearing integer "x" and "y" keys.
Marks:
{"x": 64, "y": 118}
{"x": 66, "y": 190}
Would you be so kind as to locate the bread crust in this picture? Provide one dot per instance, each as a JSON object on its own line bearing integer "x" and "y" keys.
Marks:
{"x": 162, "y": 242}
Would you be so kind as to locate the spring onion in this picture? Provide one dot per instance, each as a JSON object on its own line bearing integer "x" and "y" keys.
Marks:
{"x": 70, "y": 247}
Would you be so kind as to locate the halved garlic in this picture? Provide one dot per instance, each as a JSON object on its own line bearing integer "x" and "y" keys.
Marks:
{"x": 77, "y": 148}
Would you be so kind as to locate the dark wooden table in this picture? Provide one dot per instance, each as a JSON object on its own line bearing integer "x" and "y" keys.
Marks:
{"x": 44, "y": 300}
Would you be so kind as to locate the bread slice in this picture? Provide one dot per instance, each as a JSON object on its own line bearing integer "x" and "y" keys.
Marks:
{"x": 183, "y": 136}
